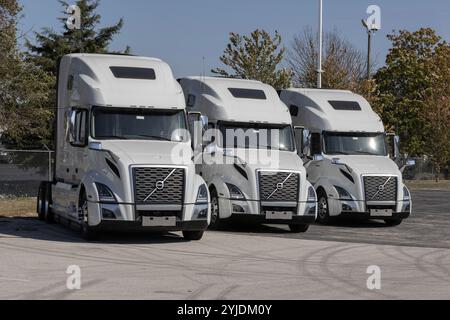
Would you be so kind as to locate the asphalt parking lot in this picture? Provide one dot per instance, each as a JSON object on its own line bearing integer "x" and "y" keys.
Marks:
{"x": 328, "y": 262}
{"x": 429, "y": 226}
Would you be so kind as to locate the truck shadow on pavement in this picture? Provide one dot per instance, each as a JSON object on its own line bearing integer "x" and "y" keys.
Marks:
{"x": 247, "y": 227}
{"x": 32, "y": 228}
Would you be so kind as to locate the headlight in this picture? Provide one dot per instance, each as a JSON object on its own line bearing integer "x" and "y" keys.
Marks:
{"x": 104, "y": 193}
{"x": 202, "y": 196}
{"x": 343, "y": 194}
{"x": 406, "y": 194}
{"x": 312, "y": 195}
{"x": 235, "y": 193}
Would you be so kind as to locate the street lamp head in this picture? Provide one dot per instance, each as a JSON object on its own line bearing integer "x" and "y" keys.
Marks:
{"x": 364, "y": 23}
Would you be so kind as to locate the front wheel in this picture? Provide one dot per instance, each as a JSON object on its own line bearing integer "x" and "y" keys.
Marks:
{"x": 193, "y": 235}
{"x": 323, "y": 211}
{"x": 86, "y": 231}
{"x": 393, "y": 222}
{"x": 299, "y": 228}
{"x": 215, "y": 215}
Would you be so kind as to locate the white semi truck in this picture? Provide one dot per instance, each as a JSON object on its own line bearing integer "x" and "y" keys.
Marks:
{"x": 120, "y": 129}
{"x": 348, "y": 159}
{"x": 247, "y": 119}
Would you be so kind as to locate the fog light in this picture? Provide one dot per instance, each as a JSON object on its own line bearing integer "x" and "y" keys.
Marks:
{"x": 346, "y": 207}
{"x": 203, "y": 214}
{"x": 238, "y": 209}
{"x": 108, "y": 214}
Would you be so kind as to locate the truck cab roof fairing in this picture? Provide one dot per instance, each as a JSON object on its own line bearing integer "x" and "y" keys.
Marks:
{"x": 95, "y": 83}
{"x": 236, "y": 100}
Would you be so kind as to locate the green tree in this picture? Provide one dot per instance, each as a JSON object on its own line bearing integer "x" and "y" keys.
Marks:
{"x": 437, "y": 111}
{"x": 409, "y": 76}
{"x": 50, "y": 45}
{"x": 24, "y": 88}
{"x": 256, "y": 57}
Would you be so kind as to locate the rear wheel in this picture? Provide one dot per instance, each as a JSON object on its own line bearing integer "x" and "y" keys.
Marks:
{"x": 40, "y": 202}
{"x": 193, "y": 235}
{"x": 215, "y": 216}
{"x": 323, "y": 210}
{"x": 86, "y": 231}
{"x": 393, "y": 222}
{"x": 298, "y": 228}
{"x": 48, "y": 214}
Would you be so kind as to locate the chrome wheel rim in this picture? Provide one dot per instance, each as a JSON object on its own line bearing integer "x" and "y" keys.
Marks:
{"x": 214, "y": 210}
{"x": 323, "y": 208}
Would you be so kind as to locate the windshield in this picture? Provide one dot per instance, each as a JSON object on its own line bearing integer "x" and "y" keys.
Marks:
{"x": 138, "y": 124}
{"x": 257, "y": 136}
{"x": 355, "y": 144}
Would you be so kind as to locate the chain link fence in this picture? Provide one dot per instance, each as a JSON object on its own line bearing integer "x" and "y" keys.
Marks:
{"x": 424, "y": 170}
{"x": 21, "y": 171}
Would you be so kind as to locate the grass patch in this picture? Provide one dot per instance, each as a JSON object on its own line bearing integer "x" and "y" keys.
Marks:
{"x": 18, "y": 207}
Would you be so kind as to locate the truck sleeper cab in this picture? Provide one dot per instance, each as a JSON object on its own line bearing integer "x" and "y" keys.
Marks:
{"x": 121, "y": 127}
{"x": 247, "y": 118}
{"x": 348, "y": 163}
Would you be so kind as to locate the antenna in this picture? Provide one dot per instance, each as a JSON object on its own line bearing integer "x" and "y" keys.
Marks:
{"x": 319, "y": 66}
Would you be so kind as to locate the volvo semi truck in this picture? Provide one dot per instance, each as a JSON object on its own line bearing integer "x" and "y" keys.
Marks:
{"x": 121, "y": 125}
{"x": 347, "y": 156}
{"x": 249, "y": 159}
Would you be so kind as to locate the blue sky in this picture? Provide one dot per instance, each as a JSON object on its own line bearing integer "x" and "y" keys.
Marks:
{"x": 182, "y": 32}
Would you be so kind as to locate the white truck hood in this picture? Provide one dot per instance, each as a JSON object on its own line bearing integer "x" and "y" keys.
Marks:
{"x": 150, "y": 152}
{"x": 278, "y": 160}
{"x": 370, "y": 165}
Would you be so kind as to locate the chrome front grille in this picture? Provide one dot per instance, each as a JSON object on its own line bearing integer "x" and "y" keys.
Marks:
{"x": 159, "y": 186}
{"x": 380, "y": 188}
{"x": 279, "y": 186}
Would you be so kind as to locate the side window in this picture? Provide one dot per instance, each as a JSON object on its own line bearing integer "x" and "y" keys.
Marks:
{"x": 78, "y": 127}
{"x": 316, "y": 146}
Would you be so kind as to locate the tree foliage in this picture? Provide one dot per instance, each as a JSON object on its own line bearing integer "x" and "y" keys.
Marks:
{"x": 256, "y": 57}
{"x": 344, "y": 66}
{"x": 24, "y": 88}
{"x": 436, "y": 115}
{"x": 408, "y": 83}
{"x": 51, "y": 45}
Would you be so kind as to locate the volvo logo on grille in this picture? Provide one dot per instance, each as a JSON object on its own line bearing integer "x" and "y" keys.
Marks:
{"x": 381, "y": 188}
{"x": 160, "y": 185}
{"x": 280, "y": 186}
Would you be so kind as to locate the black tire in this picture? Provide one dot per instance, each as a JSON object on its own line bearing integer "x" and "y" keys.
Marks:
{"x": 87, "y": 232}
{"x": 323, "y": 215}
{"x": 49, "y": 217}
{"x": 299, "y": 228}
{"x": 393, "y": 222}
{"x": 193, "y": 235}
{"x": 40, "y": 202}
{"x": 215, "y": 216}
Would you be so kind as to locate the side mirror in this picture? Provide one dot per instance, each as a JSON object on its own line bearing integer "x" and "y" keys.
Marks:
{"x": 198, "y": 124}
{"x": 394, "y": 145}
{"x": 299, "y": 139}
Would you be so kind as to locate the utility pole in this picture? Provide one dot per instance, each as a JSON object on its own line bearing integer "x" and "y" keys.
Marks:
{"x": 370, "y": 31}
{"x": 320, "y": 44}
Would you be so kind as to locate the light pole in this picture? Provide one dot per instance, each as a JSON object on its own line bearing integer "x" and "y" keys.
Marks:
{"x": 370, "y": 30}
{"x": 320, "y": 44}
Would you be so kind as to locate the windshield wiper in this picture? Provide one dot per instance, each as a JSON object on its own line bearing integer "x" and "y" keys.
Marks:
{"x": 113, "y": 137}
{"x": 339, "y": 152}
{"x": 367, "y": 153}
{"x": 153, "y": 137}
